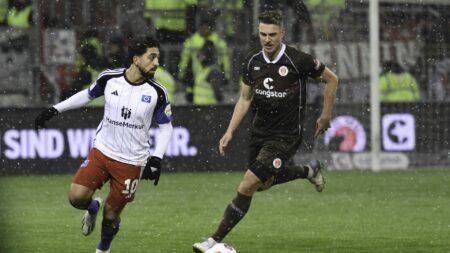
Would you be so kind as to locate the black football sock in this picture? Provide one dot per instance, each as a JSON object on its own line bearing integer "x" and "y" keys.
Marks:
{"x": 109, "y": 231}
{"x": 234, "y": 212}
{"x": 289, "y": 173}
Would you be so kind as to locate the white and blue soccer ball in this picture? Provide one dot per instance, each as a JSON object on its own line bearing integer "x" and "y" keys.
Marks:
{"x": 221, "y": 248}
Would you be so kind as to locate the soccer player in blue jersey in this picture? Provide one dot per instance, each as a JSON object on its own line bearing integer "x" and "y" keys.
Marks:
{"x": 274, "y": 77}
{"x": 133, "y": 98}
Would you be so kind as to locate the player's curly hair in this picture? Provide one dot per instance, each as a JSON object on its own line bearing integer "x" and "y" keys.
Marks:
{"x": 271, "y": 17}
{"x": 138, "y": 46}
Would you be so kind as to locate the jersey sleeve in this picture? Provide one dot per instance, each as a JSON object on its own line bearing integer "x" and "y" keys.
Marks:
{"x": 97, "y": 88}
{"x": 246, "y": 66}
{"x": 163, "y": 110}
{"x": 311, "y": 67}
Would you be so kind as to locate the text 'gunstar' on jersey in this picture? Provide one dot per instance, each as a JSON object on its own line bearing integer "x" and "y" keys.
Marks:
{"x": 268, "y": 92}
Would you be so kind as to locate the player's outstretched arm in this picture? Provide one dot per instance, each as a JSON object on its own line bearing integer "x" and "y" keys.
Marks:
{"x": 331, "y": 83}
{"x": 78, "y": 100}
{"x": 240, "y": 110}
{"x": 44, "y": 116}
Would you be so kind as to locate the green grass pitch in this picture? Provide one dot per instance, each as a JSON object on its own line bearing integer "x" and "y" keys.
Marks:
{"x": 397, "y": 211}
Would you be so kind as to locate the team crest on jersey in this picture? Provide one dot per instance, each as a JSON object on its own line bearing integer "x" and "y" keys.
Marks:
{"x": 277, "y": 163}
{"x": 168, "y": 111}
{"x": 283, "y": 71}
{"x": 125, "y": 113}
{"x": 146, "y": 99}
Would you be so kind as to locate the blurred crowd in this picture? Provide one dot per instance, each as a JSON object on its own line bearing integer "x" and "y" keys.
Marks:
{"x": 203, "y": 41}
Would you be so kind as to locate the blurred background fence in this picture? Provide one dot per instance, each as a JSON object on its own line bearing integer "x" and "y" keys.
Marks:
{"x": 45, "y": 57}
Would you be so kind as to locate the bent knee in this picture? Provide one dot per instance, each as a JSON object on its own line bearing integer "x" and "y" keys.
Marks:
{"x": 266, "y": 185}
{"x": 80, "y": 196}
{"x": 249, "y": 184}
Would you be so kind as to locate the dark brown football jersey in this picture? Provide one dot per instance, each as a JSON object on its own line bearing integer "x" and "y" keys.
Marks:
{"x": 280, "y": 89}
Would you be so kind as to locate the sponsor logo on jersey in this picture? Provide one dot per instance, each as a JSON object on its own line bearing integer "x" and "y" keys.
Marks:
{"x": 123, "y": 124}
{"x": 267, "y": 83}
{"x": 115, "y": 93}
{"x": 269, "y": 93}
{"x": 277, "y": 163}
{"x": 126, "y": 113}
{"x": 146, "y": 99}
{"x": 283, "y": 71}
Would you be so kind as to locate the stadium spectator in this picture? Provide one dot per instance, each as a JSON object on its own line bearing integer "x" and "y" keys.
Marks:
{"x": 274, "y": 84}
{"x": 3, "y": 12}
{"x": 20, "y": 13}
{"x": 189, "y": 65}
{"x": 164, "y": 76}
{"x": 325, "y": 14}
{"x": 230, "y": 17}
{"x": 397, "y": 85}
{"x": 172, "y": 19}
{"x": 121, "y": 147}
{"x": 440, "y": 81}
{"x": 210, "y": 80}
{"x": 116, "y": 55}
{"x": 89, "y": 62}
{"x": 302, "y": 23}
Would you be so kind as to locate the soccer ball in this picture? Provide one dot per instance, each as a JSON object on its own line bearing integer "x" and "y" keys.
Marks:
{"x": 221, "y": 248}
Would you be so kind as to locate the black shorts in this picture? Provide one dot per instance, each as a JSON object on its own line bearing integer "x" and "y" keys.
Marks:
{"x": 267, "y": 154}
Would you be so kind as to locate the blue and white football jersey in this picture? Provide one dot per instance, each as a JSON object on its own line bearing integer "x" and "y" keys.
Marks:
{"x": 130, "y": 108}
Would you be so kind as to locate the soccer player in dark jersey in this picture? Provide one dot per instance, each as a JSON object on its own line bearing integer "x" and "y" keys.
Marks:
{"x": 275, "y": 88}
{"x": 121, "y": 152}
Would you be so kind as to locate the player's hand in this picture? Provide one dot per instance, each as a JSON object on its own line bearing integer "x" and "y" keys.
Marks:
{"x": 152, "y": 169}
{"x": 322, "y": 124}
{"x": 223, "y": 143}
{"x": 44, "y": 116}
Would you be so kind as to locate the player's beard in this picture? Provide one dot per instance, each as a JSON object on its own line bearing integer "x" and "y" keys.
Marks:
{"x": 273, "y": 49}
{"x": 147, "y": 74}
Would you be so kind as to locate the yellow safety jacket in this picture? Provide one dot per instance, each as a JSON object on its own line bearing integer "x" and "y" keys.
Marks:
{"x": 94, "y": 73}
{"x": 168, "y": 14}
{"x": 193, "y": 45}
{"x": 19, "y": 18}
{"x": 401, "y": 87}
{"x": 327, "y": 3}
{"x": 228, "y": 11}
{"x": 203, "y": 90}
{"x": 3, "y": 11}
{"x": 95, "y": 42}
{"x": 79, "y": 60}
{"x": 324, "y": 10}
{"x": 166, "y": 79}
